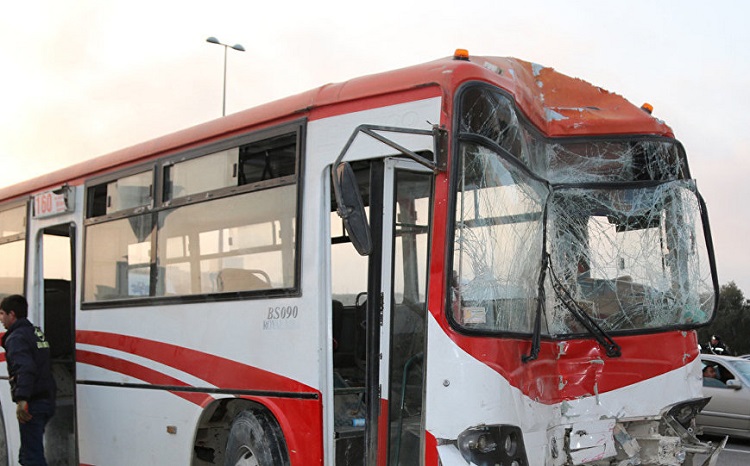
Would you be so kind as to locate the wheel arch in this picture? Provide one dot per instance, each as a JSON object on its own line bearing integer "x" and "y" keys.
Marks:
{"x": 214, "y": 425}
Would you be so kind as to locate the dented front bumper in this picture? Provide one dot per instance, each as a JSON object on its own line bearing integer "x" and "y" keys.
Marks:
{"x": 667, "y": 441}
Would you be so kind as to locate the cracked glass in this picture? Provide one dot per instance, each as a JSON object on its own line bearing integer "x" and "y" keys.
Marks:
{"x": 614, "y": 227}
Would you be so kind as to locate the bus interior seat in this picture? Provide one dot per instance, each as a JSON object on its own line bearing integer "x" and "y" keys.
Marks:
{"x": 234, "y": 279}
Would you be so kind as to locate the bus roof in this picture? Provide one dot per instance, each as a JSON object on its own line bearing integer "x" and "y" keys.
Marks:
{"x": 558, "y": 105}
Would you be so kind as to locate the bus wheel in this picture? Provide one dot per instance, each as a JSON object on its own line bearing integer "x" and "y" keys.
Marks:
{"x": 255, "y": 439}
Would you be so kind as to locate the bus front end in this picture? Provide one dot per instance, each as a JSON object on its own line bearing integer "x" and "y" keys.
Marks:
{"x": 580, "y": 267}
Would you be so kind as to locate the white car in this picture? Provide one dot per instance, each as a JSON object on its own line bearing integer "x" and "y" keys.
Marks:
{"x": 728, "y": 412}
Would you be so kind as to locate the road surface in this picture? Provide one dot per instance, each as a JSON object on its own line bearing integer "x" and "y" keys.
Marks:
{"x": 736, "y": 453}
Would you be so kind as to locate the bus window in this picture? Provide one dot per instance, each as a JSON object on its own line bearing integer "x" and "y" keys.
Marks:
{"x": 410, "y": 244}
{"x": 223, "y": 222}
{"x": 238, "y": 166}
{"x": 213, "y": 171}
{"x": 122, "y": 194}
{"x": 238, "y": 243}
{"x": 11, "y": 280}
{"x": 498, "y": 242}
{"x": 409, "y": 314}
{"x": 117, "y": 259}
{"x": 268, "y": 159}
{"x": 13, "y": 222}
{"x": 12, "y": 250}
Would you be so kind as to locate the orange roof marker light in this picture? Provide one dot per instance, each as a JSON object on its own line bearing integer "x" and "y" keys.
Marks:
{"x": 647, "y": 107}
{"x": 461, "y": 54}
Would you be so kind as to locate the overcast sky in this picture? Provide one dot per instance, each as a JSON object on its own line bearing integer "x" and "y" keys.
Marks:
{"x": 82, "y": 78}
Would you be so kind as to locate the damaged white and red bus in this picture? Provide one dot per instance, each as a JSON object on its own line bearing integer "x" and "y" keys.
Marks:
{"x": 475, "y": 260}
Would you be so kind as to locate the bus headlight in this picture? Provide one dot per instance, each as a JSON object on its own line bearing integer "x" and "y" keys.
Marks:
{"x": 499, "y": 445}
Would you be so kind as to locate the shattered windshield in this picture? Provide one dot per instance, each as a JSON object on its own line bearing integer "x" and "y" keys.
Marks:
{"x": 611, "y": 228}
{"x": 498, "y": 217}
{"x": 630, "y": 257}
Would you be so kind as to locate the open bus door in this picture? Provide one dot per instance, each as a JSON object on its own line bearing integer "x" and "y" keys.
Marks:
{"x": 403, "y": 318}
{"x": 379, "y": 336}
{"x": 57, "y": 250}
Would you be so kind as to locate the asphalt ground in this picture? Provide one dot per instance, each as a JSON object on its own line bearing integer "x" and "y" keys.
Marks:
{"x": 736, "y": 452}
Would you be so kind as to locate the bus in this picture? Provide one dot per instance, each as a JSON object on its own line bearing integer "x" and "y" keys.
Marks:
{"x": 471, "y": 261}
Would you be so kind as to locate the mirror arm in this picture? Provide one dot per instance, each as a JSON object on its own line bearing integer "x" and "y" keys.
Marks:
{"x": 439, "y": 136}
{"x": 354, "y": 218}
{"x": 370, "y": 131}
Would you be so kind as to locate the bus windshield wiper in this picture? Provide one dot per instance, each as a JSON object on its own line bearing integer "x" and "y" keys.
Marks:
{"x": 537, "y": 335}
{"x": 612, "y": 349}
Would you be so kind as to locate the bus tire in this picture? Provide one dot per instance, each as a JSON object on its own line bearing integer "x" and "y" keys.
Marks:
{"x": 255, "y": 439}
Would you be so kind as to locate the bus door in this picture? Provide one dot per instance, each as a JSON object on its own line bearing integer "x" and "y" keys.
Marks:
{"x": 379, "y": 317}
{"x": 405, "y": 232}
{"x": 57, "y": 248}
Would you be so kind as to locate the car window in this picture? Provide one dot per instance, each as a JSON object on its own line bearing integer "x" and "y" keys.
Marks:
{"x": 722, "y": 373}
{"x": 743, "y": 367}
{"x": 709, "y": 371}
{"x": 711, "y": 382}
{"x": 716, "y": 374}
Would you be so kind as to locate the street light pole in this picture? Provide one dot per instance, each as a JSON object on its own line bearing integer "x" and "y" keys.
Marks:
{"x": 239, "y": 48}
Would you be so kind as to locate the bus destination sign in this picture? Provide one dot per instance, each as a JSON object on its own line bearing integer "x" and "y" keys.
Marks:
{"x": 51, "y": 203}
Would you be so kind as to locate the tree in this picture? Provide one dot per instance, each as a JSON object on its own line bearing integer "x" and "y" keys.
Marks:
{"x": 732, "y": 321}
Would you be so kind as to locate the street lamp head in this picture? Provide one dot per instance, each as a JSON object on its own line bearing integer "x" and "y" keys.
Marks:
{"x": 239, "y": 48}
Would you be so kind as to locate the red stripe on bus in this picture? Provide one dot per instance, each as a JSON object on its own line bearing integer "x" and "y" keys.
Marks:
{"x": 383, "y": 436}
{"x": 300, "y": 420}
{"x": 431, "y": 455}
{"x": 140, "y": 372}
{"x": 220, "y": 372}
{"x": 567, "y": 370}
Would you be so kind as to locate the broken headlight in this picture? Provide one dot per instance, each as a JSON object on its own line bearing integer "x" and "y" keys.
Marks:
{"x": 498, "y": 445}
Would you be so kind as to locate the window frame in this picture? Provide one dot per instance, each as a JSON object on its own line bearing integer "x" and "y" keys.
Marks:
{"x": 160, "y": 204}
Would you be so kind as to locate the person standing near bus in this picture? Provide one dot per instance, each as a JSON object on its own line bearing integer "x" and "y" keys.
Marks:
{"x": 716, "y": 346}
{"x": 31, "y": 384}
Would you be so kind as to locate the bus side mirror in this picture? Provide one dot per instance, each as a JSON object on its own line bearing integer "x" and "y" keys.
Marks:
{"x": 351, "y": 209}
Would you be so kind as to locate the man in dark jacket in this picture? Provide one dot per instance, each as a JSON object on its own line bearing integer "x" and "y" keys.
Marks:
{"x": 31, "y": 383}
{"x": 716, "y": 346}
